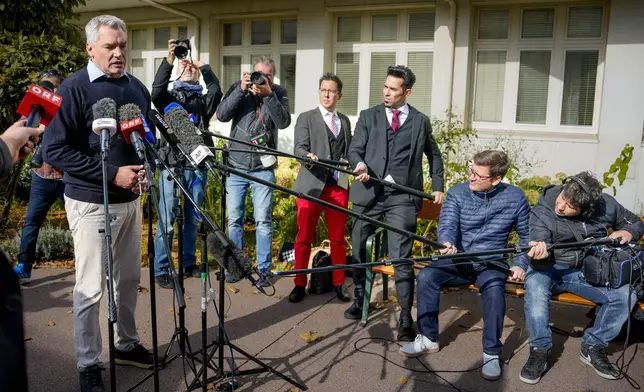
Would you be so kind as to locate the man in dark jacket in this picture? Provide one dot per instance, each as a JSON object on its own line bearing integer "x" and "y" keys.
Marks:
{"x": 187, "y": 92}
{"x": 257, "y": 109}
{"x": 575, "y": 211}
{"x": 477, "y": 215}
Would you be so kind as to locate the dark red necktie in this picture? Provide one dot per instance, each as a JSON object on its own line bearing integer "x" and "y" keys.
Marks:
{"x": 395, "y": 121}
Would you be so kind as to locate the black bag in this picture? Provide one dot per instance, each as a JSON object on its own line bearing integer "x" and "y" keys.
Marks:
{"x": 321, "y": 282}
{"x": 613, "y": 267}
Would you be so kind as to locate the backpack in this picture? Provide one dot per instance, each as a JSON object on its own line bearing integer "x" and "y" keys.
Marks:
{"x": 321, "y": 282}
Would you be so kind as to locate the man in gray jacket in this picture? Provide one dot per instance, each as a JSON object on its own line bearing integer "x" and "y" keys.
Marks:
{"x": 258, "y": 108}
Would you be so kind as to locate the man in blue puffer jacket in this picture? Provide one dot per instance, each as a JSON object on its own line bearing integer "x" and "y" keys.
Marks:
{"x": 477, "y": 215}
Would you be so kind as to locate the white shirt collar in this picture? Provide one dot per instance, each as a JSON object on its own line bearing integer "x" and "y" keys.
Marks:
{"x": 94, "y": 72}
{"x": 325, "y": 112}
{"x": 404, "y": 109}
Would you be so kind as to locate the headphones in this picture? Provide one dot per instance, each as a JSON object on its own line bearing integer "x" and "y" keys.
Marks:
{"x": 588, "y": 211}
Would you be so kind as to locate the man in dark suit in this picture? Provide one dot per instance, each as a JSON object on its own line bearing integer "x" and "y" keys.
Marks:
{"x": 388, "y": 143}
{"x": 322, "y": 132}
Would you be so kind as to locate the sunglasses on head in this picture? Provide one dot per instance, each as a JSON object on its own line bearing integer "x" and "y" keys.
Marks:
{"x": 51, "y": 73}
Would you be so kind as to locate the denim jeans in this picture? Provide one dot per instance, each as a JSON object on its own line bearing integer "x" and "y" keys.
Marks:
{"x": 42, "y": 196}
{"x": 195, "y": 183}
{"x": 489, "y": 280}
{"x": 236, "y": 190}
{"x": 540, "y": 285}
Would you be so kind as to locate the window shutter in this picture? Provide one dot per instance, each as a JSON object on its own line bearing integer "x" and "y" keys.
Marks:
{"x": 384, "y": 28}
{"x": 260, "y": 32}
{"x": 379, "y": 64}
{"x": 231, "y": 72}
{"x": 161, "y": 37}
{"x": 580, "y": 80}
{"x": 349, "y": 28}
{"x": 585, "y": 22}
{"x": 490, "y": 84}
{"x": 422, "y": 63}
{"x": 287, "y": 78}
{"x": 534, "y": 77}
{"x": 233, "y": 34}
{"x": 347, "y": 67}
{"x": 538, "y": 23}
{"x": 494, "y": 24}
{"x": 422, "y": 26}
{"x": 140, "y": 39}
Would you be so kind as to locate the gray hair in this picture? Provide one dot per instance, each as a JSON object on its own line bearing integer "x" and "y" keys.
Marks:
{"x": 92, "y": 27}
{"x": 266, "y": 61}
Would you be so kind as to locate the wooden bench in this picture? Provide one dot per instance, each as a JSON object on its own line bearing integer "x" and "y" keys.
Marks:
{"x": 376, "y": 249}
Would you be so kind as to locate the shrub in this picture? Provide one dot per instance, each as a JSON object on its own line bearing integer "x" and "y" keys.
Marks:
{"x": 54, "y": 243}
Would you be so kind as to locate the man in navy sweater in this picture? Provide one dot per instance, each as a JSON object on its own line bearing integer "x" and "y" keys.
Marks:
{"x": 477, "y": 215}
{"x": 71, "y": 146}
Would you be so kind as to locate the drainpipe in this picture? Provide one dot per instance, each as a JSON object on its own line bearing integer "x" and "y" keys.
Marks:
{"x": 175, "y": 11}
{"x": 452, "y": 55}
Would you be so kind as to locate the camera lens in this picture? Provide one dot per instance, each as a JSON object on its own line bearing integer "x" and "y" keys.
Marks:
{"x": 181, "y": 50}
{"x": 257, "y": 78}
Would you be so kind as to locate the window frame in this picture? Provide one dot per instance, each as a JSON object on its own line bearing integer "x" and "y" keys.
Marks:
{"x": 558, "y": 45}
{"x": 402, "y": 46}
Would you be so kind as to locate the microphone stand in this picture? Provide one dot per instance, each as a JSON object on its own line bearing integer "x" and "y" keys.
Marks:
{"x": 109, "y": 261}
{"x": 464, "y": 255}
{"x": 329, "y": 164}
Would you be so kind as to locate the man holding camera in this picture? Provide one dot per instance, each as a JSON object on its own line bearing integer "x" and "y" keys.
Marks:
{"x": 187, "y": 92}
{"x": 577, "y": 210}
{"x": 258, "y": 108}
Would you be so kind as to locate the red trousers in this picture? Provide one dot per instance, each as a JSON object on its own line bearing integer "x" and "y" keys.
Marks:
{"x": 308, "y": 214}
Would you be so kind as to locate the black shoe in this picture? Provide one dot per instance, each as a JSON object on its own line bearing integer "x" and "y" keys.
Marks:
{"x": 164, "y": 281}
{"x": 91, "y": 379}
{"x": 230, "y": 279}
{"x": 596, "y": 357}
{"x": 192, "y": 271}
{"x": 342, "y": 296}
{"x": 406, "y": 332}
{"x": 355, "y": 310}
{"x": 297, "y": 294}
{"x": 139, "y": 357}
{"x": 265, "y": 279}
{"x": 535, "y": 366}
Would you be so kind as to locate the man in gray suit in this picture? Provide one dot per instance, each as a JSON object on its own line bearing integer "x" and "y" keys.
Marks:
{"x": 322, "y": 132}
{"x": 388, "y": 143}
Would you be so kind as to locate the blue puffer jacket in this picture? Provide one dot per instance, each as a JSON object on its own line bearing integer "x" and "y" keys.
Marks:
{"x": 477, "y": 221}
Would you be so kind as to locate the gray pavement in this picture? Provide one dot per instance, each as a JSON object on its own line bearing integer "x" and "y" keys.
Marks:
{"x": 270, "y": 328}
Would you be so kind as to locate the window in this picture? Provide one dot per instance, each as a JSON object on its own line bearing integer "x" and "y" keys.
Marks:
{"x": 366, "y": 45}
{"x": 244, "y": 41}
{"x": 148, "y": 47}
{"x": 537, "y": 68}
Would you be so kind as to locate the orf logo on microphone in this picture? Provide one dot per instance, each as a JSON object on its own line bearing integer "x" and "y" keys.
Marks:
{"x": 46, "y": 94}
{"x": 131, "y": 124}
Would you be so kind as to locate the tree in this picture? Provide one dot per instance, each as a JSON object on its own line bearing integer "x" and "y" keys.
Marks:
{"x": 37, "y": 35}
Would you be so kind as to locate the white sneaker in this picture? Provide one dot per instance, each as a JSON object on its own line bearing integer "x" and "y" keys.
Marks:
{"x": 418, "y": 347}
{"x": 491, "y": 367}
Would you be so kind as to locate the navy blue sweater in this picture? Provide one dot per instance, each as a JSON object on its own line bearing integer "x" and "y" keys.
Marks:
{"x": 478, "y": 221}
{"x": 70, "y": 145}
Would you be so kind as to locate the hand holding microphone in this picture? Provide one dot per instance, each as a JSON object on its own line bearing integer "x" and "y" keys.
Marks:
{"x": 20, "y": 139}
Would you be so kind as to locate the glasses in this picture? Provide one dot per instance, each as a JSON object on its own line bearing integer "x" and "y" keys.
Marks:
{"x": 477, "y": 176}
{"x": 330, "y": 92}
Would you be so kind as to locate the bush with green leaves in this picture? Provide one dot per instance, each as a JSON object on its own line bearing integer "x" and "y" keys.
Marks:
{"x": 54, "y": 243}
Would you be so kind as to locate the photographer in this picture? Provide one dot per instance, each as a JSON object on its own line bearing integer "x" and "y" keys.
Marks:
{"x": 258, "y": 108}
{"x": 46, "y": 187}
{"x": 188, "y": 93}
{"x": 577, "y": 210}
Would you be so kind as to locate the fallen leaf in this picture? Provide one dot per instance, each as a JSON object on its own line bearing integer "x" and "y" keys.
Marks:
{"x": 188, "y": 296}
{"x": 294, "y": 389}
{"x": 50, "y": 323}
{"x": 403, "y": 380}
{"x": 310, "y": 336}
{"x": 392, "y": 298}
{"x": 257, "y": 292}
{"x": 170, "y": 310}
{"x": 377, "y": 305}
{"x": 510, "y": 309}
{"x": 398, "y": 308}
{"x": 28, "y": 338}
{"x": 70, "y": 311}
{"x": 143, "y": 289}
{"x": 232, "y": 289}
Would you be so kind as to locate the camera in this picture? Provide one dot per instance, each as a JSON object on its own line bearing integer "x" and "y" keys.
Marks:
{"x": 182, "y": 48}
{"x": 258, "y": 78}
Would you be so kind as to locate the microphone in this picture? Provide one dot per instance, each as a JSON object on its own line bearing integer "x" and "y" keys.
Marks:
{"x": 132, "y": 127}
{"x": 234, "y": 261}
{"x": 187, "y": 136}
{"x": 166, "y": 131}
{"x": 39, "y": 104}
{"x": 104, "y": 123}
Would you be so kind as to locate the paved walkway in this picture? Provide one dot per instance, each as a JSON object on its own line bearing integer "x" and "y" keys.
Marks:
{"x": 270, "y": 328}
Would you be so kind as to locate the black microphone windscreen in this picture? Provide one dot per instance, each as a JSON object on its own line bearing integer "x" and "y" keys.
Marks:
{"x": 46, "y": 84}
{"x": 128, "y": 112}
{"x": 184, "y": 129}
{"x": 104, "y": 108}
{"x": 233, "y": 259}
